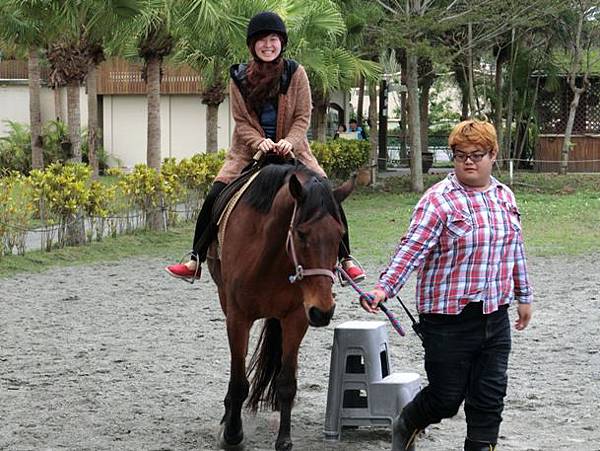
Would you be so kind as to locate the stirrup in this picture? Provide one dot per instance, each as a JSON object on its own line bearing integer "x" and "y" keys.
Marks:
{"x": 197, "y": 272}
{"x": 343, "y": 281}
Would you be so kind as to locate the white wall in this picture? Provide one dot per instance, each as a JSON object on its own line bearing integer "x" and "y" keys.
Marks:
{"x": 14, "y": 104}
{"x": 183, "y": 127}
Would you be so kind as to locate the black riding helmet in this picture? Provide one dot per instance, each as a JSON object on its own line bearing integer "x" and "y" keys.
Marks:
{"x": 265, "y": 23}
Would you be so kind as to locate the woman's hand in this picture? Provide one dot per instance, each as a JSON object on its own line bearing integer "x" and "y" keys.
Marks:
{"x": 267, "y": 145}
{"x": 377, "y": 295}
{"x": 284, "y": 148}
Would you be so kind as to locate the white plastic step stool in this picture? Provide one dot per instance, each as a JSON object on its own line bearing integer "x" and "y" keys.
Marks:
{"x": 362, "y": 392}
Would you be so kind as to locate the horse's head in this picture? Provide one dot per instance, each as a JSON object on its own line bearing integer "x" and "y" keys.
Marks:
{"x": 314, "y": 238}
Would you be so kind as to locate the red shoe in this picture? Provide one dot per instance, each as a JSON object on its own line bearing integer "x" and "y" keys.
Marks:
{"x": 353, "y": 269}
{"x": 181, "y": 271}
{"x": 356, "y": 273}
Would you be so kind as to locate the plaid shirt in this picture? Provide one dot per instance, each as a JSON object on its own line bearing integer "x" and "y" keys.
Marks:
{"x": 467, "y": 246}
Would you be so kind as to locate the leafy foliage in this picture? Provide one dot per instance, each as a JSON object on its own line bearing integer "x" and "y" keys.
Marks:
{"x": 341, "y": 157}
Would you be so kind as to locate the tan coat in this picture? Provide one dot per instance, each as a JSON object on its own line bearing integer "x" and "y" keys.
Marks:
{"x": 293, "y": 120}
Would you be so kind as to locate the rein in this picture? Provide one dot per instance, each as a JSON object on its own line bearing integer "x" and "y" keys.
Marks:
{"x": 301, "y": 272}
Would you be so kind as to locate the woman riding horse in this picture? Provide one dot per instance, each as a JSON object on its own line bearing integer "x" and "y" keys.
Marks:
{"x": 271, "y": 105}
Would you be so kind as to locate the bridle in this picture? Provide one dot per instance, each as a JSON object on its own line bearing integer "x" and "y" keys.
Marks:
{"x": 301, "y": 272}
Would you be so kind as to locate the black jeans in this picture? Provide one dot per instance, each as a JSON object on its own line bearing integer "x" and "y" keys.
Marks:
{"x": 206, "y": 231}
{"x": 466, "y": 359}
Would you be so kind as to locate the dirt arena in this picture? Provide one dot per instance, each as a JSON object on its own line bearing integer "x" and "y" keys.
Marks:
{"x": 121, "y": 357}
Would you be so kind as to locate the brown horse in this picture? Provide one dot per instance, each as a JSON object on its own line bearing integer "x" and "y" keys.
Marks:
{"x": 277, "y": 260}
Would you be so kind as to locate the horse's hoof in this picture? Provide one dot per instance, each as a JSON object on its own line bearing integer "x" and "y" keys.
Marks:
{"x": 284, "y": 445}
{"x": 233, "y": 444}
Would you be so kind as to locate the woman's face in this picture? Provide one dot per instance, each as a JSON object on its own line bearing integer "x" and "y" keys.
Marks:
{"x": 268, "y": 48}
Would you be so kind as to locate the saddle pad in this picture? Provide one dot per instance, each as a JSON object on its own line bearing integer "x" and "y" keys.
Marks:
{"x": 224, "y": 216}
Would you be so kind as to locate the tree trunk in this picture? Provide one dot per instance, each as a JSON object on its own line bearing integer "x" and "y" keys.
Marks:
{"x": 566, "y": 147}
{"x": 361, "y": 101}
{"x": 153, "y": 153}
{"x": 92, "y": 138}
{"x": 412, "y": 76}
{"x": 505, "y": 151}
{"x": 461, "y": 79}
{"x": 321, "y": 102}
{"x": 59, "y": 105}
{"x": 74, "y": 112}
{"x": 373, "y": 129}
{"x": 424, "y": 112}
{"x": 35, "y": 112}
{"x": 403, "y": 124}
{"x": 470, "y": 68}
{"x": 499, "y": 104}
{"x": 212, "y": 124}
{"x": 383, "y": 125}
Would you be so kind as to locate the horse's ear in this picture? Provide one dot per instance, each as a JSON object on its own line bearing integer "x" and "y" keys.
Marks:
{"x": 296, "y": 188}
{"x": 344, "y": 190}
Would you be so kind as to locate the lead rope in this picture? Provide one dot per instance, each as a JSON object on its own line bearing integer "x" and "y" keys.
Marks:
{"x": 395, "y": 322}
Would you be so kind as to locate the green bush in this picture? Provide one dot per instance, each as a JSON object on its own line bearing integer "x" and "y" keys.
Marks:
{"x": 62, "y": 193}
{"x": 15, "y": 148}
{"x": 57, "y": 148}
{"x": 16, "y": 213}
{"x": 339, "y": 158}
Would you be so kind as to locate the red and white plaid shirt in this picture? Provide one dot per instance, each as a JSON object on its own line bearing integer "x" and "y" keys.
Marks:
{"x": 467, "y": 246}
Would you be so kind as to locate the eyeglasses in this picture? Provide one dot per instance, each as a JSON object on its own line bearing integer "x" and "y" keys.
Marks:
{"x": 475, "y": 157}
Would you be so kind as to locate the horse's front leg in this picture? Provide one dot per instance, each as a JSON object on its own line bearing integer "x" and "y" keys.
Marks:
{"x": 293, "y": 329}
{"x": 237, "y": 332}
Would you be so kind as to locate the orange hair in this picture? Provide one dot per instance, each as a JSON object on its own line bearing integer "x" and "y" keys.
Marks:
{"x": 477, "y": 133}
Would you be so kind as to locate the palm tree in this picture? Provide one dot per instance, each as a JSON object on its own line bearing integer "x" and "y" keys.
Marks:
{"x": 79, "y": 33}
{"x": 21, "y": 23}
{"x": 318, "y": 40}
{"x": 211, "y": 54}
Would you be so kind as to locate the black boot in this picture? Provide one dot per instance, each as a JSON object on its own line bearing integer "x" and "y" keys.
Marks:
{"x": 472, "y": 445}
{"x": 404, "y": 434}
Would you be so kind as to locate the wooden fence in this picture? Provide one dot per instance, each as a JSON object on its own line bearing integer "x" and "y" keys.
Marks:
{"x": 583, "y": 157}
{"x": 17, "y": 70}
{"x": 117, "y": 76}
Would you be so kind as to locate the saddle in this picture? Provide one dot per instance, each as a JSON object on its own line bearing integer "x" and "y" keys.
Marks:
{"x": 232, "y": 193}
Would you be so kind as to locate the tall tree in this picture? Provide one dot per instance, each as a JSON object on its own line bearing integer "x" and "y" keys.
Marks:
{"x": 22, "y": 24}
{"x": 211, "y": 54}
{"x": 580, "y": 24}
{"x": 78, "y": 33}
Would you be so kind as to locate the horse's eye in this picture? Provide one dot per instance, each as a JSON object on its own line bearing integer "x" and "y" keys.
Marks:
{"x": 303, "y": 236}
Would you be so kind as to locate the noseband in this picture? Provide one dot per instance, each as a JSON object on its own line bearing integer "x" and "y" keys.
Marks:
{"x": 301, "y": 273}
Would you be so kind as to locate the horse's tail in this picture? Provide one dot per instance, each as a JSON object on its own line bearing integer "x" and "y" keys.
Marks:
{"x": 265, "y": 366}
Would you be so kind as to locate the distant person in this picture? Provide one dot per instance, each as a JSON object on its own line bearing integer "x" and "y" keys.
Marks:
{"x": 340, "y": 129}
{"x": 353, "y": 127}
{"x": 466, "y": 243}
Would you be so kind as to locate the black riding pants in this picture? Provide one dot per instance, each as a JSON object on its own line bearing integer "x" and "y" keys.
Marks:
{"x": 206, "y": 231}
{"x": 466, "y": 359}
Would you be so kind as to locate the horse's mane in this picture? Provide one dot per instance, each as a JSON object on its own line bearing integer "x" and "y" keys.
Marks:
{"x": 318, "y": 198}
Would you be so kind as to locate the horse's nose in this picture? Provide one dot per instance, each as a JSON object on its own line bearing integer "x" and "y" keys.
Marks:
{"x": 319, "y": 318}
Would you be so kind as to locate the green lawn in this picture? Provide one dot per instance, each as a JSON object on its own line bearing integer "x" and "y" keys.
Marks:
{"x": 554, "y": 224}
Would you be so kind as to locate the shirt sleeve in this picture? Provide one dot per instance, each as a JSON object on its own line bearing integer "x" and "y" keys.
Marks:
{"x": 423, "y": 234}
{"x": 523, "y": 291}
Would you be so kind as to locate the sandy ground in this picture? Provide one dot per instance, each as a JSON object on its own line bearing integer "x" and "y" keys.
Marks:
{"x": 122, "y": 357}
